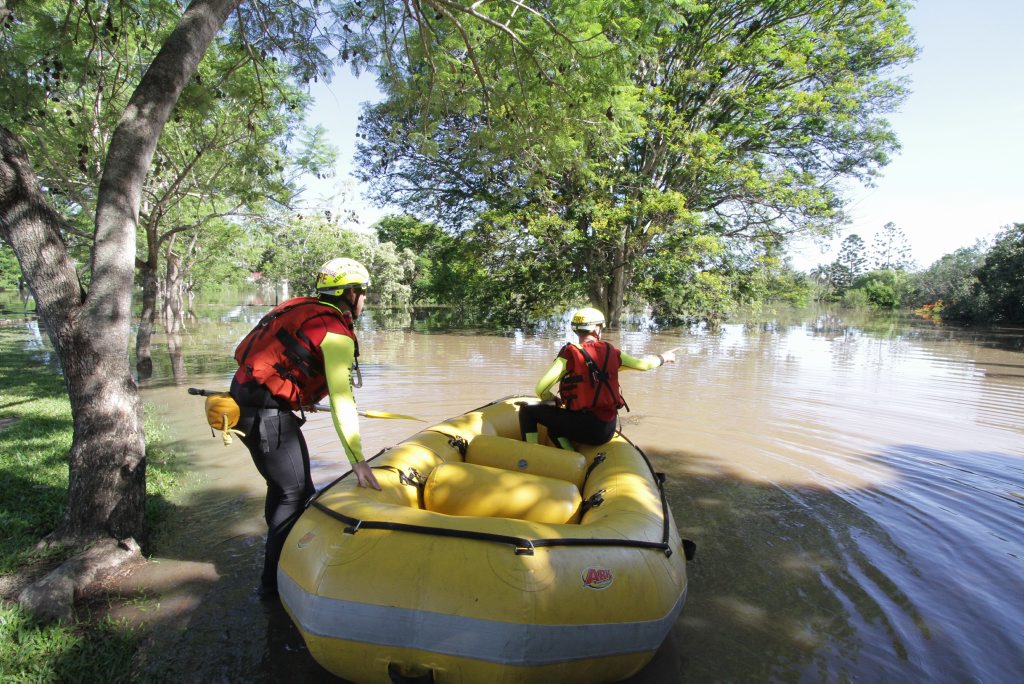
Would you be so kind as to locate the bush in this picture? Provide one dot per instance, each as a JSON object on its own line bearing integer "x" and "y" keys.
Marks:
{"x": 882, "y": 295}
{"x": 856, "y": 299}
{"x": 884, "y": 289}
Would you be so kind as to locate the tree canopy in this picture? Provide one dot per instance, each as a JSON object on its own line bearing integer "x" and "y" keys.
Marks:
{"x": 711, "y": 127}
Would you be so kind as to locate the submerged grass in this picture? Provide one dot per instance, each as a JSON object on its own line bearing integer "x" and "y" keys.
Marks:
{"x": 35, "y": 436}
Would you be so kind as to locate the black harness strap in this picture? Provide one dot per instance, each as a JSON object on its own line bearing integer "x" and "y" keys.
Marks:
{"x": 600, "y": 378}
{"x": 264, "y": 322}
{"x": 301, "y": 356}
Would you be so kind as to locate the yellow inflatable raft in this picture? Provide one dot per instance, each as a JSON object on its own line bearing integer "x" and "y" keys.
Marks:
{"x": 486, "y": 559}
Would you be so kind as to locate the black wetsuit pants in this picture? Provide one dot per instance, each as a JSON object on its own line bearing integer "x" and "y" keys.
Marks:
{"x": 278, "y": 449}
{"x": 578, "y": 426}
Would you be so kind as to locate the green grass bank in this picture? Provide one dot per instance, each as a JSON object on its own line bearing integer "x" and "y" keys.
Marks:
{"x": 35, "y": 435}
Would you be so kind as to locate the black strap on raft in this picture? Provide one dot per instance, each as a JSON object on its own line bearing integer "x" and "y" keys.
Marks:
{"x": 458, "y": 442}
{"x": 598, "y": 460}
{"x": 521, "y": 545}
{"x": 412, "y": 478}
{"x": 461, "y": 444}
{"x": 593, "y": 501}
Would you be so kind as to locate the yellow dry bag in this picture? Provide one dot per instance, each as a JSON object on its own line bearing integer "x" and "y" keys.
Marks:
{"x": 222, "y": 413}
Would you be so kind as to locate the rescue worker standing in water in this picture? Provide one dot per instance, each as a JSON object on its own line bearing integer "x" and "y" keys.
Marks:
{"x": 587, "y": 374}
{"x": 301, "y": 351}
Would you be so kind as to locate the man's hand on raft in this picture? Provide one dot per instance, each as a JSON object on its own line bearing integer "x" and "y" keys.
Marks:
{"x": 365, "y": 475}
{"x": 669, "y": 356}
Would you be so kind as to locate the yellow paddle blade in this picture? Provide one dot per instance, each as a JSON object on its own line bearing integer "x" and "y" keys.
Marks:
{"x": 385, "y": 414}
{"x": 368, "y": 414}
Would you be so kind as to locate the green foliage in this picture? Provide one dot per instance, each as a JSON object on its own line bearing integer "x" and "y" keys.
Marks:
{"x": 952, "y": 280}
{"x": 433, "y": 280}
{"x": 34, "y": 652}
{"x": 976, "y": 284}
{"x": 851, "y": 261}
{"x": 885, "y": 288}
{"x": 33, "y": 448}
{"x": 856, "y": 298}
{"x": 295, "y": 249}
{"x": 10, "y": 270}
{"x": 235, "y": 144}
{"x": 68, "y": 71}
{"x": 393, "y": 274}
{"x": 499, "y": 277}
{"x": 891, "y": 249}
{"x": 1001, "y": 277}
{"x": 660, "y": 122}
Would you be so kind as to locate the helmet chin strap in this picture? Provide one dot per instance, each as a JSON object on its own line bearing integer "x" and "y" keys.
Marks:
{"x": 339, "y": 300}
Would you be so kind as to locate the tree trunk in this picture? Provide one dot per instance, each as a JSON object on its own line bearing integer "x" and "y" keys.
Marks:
{"x": 147, "y": 319}
{"x": 617, "y": 292}
{"x": 173, "y": 301}
{"x": 90, "y": 331}
{"x": 608, "y": 290}
{"x": 175, "y": 352}
{"x": 106, "y": 463}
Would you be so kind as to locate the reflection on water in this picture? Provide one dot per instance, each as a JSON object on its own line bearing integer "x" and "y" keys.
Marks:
{"x": 855, "y": 485}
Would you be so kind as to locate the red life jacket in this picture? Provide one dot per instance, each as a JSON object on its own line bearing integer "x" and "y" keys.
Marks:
{"x": 591, "y": 379}
{"x": 278, "y": 355}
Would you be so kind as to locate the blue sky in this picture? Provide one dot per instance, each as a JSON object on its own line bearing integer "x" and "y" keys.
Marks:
{"x": 959, "y": 176}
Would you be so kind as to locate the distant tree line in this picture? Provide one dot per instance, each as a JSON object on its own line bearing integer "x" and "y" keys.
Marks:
{"x": 979, "y": 284}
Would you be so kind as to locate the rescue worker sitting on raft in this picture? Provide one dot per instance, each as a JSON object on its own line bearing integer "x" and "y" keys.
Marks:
{"x": 301, "y": 351}
{"x": 587, "y": 374}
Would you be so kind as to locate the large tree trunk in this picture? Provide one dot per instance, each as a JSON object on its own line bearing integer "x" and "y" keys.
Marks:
{"x": 173, "y": 294}
{"x": 90, "y": 331}
{"x": 616, "y": 291}
{"x": 147, "y": 320}
{"x": 607, "y": 290}
{"x": 106, "y": 462}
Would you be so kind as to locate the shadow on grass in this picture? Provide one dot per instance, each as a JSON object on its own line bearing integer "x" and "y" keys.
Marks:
{"x": 193, "y": 602}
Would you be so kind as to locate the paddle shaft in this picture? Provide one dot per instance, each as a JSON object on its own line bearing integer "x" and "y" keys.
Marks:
{"x": 195, "y": 391}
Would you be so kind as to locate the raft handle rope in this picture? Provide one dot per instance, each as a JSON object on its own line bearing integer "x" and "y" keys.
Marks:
{"x": 689, "y": 546}
{"x": 413, "y": 478}
{"x": 520, "y": 545}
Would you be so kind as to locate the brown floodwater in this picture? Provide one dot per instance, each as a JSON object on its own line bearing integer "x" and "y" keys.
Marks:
{"x": 854, "y": 484}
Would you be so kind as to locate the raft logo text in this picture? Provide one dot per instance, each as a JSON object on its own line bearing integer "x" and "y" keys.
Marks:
{"x": 597, "y": 578}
